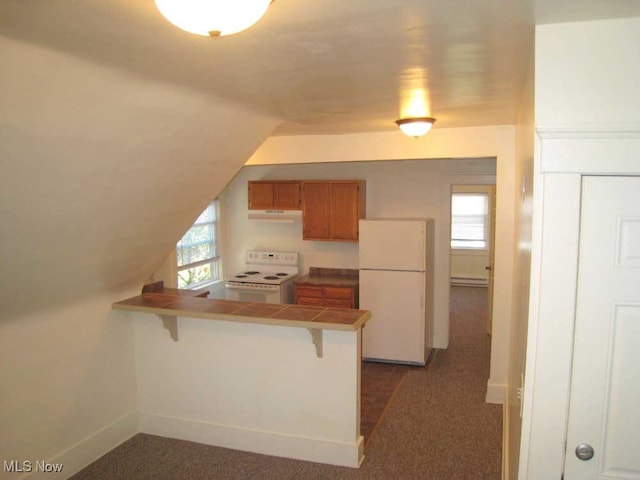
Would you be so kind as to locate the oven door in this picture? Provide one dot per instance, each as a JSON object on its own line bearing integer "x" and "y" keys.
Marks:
{"x": 259, "y": 295}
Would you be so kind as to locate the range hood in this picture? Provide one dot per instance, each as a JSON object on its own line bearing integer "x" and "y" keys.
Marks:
{"x": 284, "y": 216}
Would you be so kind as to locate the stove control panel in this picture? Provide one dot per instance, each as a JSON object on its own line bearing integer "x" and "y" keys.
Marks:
{"x": 272, "y": 258}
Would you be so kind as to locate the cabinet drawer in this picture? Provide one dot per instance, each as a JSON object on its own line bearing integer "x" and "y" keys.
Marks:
{"x": 338, "y": 292}
{"x": 317, "y": 301}
{"x": 304, "y": 291}
{"x": 337, "y": 303}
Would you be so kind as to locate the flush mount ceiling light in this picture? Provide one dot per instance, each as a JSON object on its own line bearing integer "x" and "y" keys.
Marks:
{"x": 415, "y": 127}
{"x": 213, "y": 18}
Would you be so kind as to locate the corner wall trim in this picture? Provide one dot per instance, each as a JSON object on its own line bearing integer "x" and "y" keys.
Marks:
{"x": 257, "y": 441}
{"x": 495, "y": 393}
{"x": 89, "y": 449}
{"x": 506, "y": 459}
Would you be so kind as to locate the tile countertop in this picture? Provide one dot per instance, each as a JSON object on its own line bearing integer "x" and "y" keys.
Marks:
{"x": 336, "y": 277}
{"x": 184, "y": 303}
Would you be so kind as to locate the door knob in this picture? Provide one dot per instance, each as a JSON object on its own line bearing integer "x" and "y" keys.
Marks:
{"x": 584, "y": 451}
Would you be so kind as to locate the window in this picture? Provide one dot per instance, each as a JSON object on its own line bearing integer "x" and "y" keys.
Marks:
{"x": 197, "y": 251}
{"x": 469, "y": 220}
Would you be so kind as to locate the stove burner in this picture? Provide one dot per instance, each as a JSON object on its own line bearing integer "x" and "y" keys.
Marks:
{"x": 252, "y": 273}
{"x": 241, "y": 276}
{"x": 282, "y": 274}
{"x": 271, "y": 277}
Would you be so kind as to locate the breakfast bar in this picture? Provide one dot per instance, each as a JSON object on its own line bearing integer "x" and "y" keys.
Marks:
{"x": 276, "y": 379}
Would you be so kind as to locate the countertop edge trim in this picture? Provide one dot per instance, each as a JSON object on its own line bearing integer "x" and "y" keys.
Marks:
{"x": 315, "y": 325}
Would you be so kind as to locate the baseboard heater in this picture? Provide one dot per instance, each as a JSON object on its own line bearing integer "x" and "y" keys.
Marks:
{"x": 469, "y": 281}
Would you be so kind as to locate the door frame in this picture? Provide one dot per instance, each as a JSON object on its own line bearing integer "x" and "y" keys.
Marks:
{"x": 563, "y": 157}
{"x": 490, "y": 190}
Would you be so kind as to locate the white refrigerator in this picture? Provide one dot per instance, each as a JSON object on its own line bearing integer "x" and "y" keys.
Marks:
{"x": 396, "y": 286}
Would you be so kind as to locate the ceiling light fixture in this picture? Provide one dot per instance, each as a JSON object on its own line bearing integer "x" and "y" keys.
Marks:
{"x": 213, "y": 18}
{"x": 415, "y": 127}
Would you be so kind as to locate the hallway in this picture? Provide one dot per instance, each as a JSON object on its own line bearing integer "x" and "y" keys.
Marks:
{"x": 436, "y": 427}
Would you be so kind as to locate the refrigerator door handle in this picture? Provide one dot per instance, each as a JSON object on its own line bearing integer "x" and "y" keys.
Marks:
{"x": 422, "y": 290}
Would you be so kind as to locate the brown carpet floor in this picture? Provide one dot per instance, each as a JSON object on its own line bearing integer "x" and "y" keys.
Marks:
{"x": 437, "y": 425}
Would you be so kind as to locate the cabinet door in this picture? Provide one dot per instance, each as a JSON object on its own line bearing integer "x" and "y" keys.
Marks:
{"x": 345, "y": 211}
{"x": 316, "y": 210}
{"x": 342, "y": 297}
{"x": 308, "y": 295}
{"x": 261, "y": 195}
{"x": 286, "y": 195}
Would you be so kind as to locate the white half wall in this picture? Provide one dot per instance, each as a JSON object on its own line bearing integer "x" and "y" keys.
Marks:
{"x": 258, "y": 388}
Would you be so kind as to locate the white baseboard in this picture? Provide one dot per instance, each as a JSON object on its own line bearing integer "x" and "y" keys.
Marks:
{"x": 495, "y": 393}
{"x": 89, "y": 449}
{"x": 267, "y": 443}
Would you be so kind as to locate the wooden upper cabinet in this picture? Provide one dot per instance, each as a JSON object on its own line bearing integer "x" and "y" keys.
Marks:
{"x": 280, "y": 195}
{"x": 316, "y": 210}
{"x": 287, "y": 195}
{"x": 345, "y": 211}
{"x": 331, "y": 209}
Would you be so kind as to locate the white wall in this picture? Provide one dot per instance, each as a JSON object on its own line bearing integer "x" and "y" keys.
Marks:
{"x": 522, "y": 269}
{"x": 586, "y": 74}
{"x": 407, "y": 188}
{"x": 587, "y": 120}
{"x": 68, "y": 384}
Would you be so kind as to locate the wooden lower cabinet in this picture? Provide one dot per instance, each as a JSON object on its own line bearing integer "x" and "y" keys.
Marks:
{"x": 327, "y": 296}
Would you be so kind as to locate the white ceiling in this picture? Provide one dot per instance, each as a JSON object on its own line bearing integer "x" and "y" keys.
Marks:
{"x": 324, "y": 66}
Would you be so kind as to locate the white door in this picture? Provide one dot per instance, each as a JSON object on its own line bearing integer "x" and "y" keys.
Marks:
{"x": 396, "y": 330}
{"x": 392, "y": 244}
{"x": 604, "y": 411}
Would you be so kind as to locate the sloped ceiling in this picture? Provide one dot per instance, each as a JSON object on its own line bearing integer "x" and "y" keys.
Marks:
{"x": 116, "y": 128}
{"x": 102, "y": 172}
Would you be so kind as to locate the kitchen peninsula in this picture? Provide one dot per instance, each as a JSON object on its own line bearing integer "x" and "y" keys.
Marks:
{"x": 275, "y": 379}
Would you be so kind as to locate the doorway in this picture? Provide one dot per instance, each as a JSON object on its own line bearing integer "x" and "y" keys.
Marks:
{"x": 472, "y": 240}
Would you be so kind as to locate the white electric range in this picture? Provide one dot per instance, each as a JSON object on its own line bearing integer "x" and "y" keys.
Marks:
{"x": 268, "y": 278}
